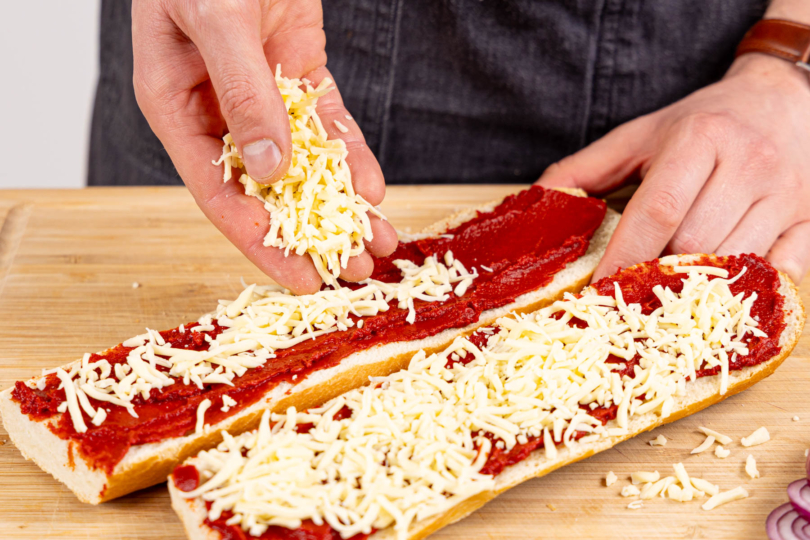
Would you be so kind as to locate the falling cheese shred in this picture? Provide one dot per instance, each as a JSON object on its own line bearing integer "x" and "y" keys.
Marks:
{"x": 260, "y": 321}
{"x": 313, "y": 208}
{"x": 414, "y": 446}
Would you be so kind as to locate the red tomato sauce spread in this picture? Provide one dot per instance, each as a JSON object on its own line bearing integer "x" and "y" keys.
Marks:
{"x": 637, "y": 287}
{"x": 524, "y": 241}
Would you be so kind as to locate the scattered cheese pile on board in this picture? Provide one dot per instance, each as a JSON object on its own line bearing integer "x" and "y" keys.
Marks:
{"x": 681, "y": 488}
{"x": 414, "y": 445}
{"x": 261, "y": 320}
{"x": 313, "y": 208}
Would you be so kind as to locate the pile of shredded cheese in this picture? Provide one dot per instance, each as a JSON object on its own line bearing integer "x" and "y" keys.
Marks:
{"x": 260, "y": 321}
{"x": 413, "y": 447}
{"x": 313, "y": 208}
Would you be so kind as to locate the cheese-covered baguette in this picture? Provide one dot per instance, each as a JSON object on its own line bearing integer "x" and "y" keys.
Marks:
{"x": 696, "y": 395}
{"x": 147, "y": 464}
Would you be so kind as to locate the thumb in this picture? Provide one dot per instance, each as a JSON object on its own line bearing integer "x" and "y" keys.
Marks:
{"x": 228, "y": 36}
{"x": 606, "y": 163}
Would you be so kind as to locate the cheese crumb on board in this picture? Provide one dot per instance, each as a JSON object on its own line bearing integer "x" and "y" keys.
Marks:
{"x": 795, "y": 418}
{"x": 635, "y": 505}
{"x": 651, "y": 489}
{"x": 722, "y": 452}
{"x": 313, "y": 209}
{"x": 630, "y": 491}
{"x": 705, "y": 486}
{"x": 642, "y": 477}
{"x": 135, "y": 285}
{"x": 719, "y": 437}
{"x": 705, "y": 445}
{"x": 758, "y": 437}
{"x": 751, "y": 467}
{"x": 536, "y": 377}
{"x": 725, "y": 497}
{"x": 610, "y": 479}
{"x": 658, "y": 441}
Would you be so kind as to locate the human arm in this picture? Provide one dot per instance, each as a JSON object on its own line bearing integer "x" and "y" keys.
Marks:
{"x": 725, "y": 170}
{"x": 204, "y": 68}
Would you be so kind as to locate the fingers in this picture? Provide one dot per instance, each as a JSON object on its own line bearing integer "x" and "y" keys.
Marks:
{"x": 228, "y": 36}
{"x": 358, "y": 268}
{"x": 385, "y": 238}
{"x": 655, "y": 212}
{"x": 757, "y": 230}
{"x": 244, "y": 220}
{"x": 719, "y": 208}
{"x": 607, "y": 162}
{"x": 791, "y": 252}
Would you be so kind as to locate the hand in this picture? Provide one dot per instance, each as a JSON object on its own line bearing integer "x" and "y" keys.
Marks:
{"x": 725, "y": 170}
{"x": 206, "y": 67}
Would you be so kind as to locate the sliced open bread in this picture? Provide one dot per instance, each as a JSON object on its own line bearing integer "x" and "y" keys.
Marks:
{"x": 700, "y": 394}
{"x": 148, "y": 464}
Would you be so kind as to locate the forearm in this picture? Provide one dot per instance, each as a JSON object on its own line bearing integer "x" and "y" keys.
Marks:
{"x": 791, "y": 10}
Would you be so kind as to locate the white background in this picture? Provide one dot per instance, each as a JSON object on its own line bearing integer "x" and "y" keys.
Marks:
{"x": 48, "y": 73}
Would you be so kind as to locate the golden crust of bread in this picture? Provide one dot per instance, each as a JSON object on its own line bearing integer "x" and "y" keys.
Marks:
{"x": 192, "y": 514}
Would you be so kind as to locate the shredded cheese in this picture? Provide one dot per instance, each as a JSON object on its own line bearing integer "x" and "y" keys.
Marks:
{"x": 260, "y": 321}
{"x": 705, "y": 486}
{"x": 610, "y": 479}
{"x": 719, "y": 437}
{"x": 204, "y": 406}
{"x": 705, "y": 445}
{"x": 630, "y": 491}
{"x": 313, "y": 208}
{"x": 725, "y": 497}
{"x": 658, "y": 441}
{"x": 722, "y": 452}
{"x": 642, "y": 477}
{"x": 227, "y": 403}
{"x": 635, "y": 505}
{"x": 758, "y": 437}
{"x": 751, "y": 467}
{"x": 413, "y": 446}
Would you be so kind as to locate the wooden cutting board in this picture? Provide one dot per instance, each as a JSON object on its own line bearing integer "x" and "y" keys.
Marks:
{"x": 68, "y": 261}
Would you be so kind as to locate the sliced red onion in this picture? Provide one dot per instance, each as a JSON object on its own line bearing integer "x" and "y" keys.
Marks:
{"x": 800, "y": 528}
{"x": 779, "y": 525}
{"x": 799, "y": 493}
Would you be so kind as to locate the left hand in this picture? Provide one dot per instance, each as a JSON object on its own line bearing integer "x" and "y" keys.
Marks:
{"x": 725, "y": 170}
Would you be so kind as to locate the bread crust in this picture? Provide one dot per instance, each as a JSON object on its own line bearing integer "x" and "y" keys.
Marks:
{"x": 150, "y": 464}
{"x": 702, "y": 393}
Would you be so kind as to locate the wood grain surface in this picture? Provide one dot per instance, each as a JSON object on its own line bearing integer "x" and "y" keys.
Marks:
{"x": 68, "y": 260}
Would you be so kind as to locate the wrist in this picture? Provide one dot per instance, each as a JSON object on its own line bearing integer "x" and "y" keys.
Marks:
{"x": 766, "y": 68}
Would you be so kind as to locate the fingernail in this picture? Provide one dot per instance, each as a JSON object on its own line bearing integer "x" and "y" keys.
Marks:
{"x": 261, "y": 159}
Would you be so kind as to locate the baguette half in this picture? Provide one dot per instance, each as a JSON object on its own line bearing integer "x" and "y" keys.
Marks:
{"x": 149, "y": 464}
{"x": 701, "y": 394}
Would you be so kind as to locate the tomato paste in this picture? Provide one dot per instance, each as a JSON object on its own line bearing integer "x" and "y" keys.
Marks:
{"x": 523, "y": 242}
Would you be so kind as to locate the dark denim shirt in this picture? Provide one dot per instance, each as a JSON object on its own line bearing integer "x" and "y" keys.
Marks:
{"x": 465, "y": 91}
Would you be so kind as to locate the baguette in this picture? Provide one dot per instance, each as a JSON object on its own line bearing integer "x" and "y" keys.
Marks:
{"x": 148, "y": 464}
{"x": 701, "y": 394}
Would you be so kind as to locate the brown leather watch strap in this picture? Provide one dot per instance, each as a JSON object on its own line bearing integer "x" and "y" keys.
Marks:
{"x": 778, "y": 37}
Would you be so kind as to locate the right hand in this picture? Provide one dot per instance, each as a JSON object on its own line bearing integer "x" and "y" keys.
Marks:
{"x": 206, "y": 67}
